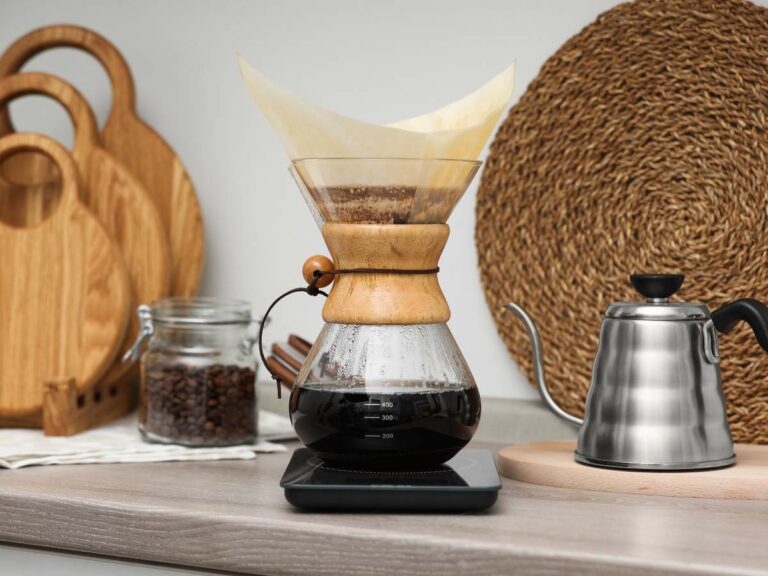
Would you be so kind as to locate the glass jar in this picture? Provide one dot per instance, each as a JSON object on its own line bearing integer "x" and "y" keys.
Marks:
{"x": 198, "y": 374}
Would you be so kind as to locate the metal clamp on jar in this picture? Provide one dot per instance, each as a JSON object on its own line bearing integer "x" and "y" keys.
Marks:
{"x": 197, "y": 374}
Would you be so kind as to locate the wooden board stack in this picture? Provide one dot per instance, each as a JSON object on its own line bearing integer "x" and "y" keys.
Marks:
{"x": 142, "y": 203}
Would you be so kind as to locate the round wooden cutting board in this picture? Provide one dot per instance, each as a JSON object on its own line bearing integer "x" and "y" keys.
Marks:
{"x": 552, "y": 464}
{"x": 64, "y": 294}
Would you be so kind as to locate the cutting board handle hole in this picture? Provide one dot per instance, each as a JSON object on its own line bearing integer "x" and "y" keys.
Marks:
{"x": 27, "y": 202}
{"x": 80, "y": 400}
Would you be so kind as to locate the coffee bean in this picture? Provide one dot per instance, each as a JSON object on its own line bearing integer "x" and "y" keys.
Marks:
{"x": 196, "y": 406}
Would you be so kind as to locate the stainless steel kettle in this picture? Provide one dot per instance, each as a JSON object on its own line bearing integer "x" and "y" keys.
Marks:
{"x": 656, "y": 402}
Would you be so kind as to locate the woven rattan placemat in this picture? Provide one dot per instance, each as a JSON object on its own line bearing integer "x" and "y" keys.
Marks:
{"x": 641, "y": 146}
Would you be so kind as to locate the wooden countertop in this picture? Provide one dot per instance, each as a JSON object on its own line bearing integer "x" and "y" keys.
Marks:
{"x": 233, "y": 516}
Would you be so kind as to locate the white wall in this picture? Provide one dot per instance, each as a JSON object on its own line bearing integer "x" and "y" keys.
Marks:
{"x": 379, "y": 61}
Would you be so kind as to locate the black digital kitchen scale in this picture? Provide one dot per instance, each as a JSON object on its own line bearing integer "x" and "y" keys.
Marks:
{"x": 468, "y": 481}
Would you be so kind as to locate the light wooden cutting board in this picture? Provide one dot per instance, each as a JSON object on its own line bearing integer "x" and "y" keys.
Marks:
{"x": 64, "y": 294}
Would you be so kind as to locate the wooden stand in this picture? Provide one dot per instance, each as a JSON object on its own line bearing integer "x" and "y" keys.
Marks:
{"x": 67, "y": 410}
{"x": 380, "y": 298}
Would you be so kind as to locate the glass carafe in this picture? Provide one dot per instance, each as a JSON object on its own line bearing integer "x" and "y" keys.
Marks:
{"x": 385, "y": 384}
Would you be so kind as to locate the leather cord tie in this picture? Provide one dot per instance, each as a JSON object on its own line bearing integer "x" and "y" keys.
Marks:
{"x": 313, "y": 290}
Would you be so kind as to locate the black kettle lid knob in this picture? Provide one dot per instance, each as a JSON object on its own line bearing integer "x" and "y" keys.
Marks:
{"x": 657, "y": 286}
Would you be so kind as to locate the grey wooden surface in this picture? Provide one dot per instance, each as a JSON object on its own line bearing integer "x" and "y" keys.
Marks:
{"x": 233, "y": 516}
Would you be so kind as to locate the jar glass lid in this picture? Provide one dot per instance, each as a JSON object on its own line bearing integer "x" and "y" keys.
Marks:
{"x": 201, "y": 311}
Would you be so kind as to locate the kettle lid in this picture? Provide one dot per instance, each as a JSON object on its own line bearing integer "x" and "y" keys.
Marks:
{"x": 657, "y": 288}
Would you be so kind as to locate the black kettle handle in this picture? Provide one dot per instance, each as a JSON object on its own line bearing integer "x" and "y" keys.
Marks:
{"x": 752, "y": 311}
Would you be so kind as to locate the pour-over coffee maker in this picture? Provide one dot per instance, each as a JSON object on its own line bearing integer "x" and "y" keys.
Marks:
{"x": 385, "y": 400}
{"x": 385, "y": 384}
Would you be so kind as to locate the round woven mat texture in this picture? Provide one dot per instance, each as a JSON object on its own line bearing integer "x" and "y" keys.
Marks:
{"x": 641, "y": 146}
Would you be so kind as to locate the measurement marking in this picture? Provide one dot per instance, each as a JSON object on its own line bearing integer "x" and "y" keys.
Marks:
{"x": 373, "y": 435}
{"x": 372, "y": 417}
{"x": 372, "y": 404}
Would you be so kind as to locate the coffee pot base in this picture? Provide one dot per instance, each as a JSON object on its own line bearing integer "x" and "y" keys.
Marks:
{"x": 673, "y": 467}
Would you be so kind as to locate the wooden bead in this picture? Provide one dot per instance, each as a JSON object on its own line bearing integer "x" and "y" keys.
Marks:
{"x": 321, "y": 263}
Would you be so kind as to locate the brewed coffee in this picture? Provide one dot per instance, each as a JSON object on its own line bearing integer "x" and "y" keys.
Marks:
{"x": 380, "y": 425}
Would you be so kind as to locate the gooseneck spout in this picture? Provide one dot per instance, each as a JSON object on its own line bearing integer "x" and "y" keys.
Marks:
{"x": 538, "y": 365}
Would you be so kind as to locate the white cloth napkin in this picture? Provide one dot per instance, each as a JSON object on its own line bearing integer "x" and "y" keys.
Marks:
{"x": 120, "y": 441}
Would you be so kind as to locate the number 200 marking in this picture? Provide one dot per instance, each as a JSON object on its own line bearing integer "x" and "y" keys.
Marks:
{"x": 387, "y": 435}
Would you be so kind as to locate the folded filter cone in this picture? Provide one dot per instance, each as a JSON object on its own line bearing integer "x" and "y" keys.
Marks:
{"x": 411, "y": 171}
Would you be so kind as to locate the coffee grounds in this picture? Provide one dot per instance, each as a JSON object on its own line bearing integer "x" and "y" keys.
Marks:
{"x": 209, "y": 406}
{"x": 384, "y": 204}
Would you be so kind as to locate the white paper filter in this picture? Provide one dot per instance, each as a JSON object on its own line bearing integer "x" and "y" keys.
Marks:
{"x": 456, "y": 131}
